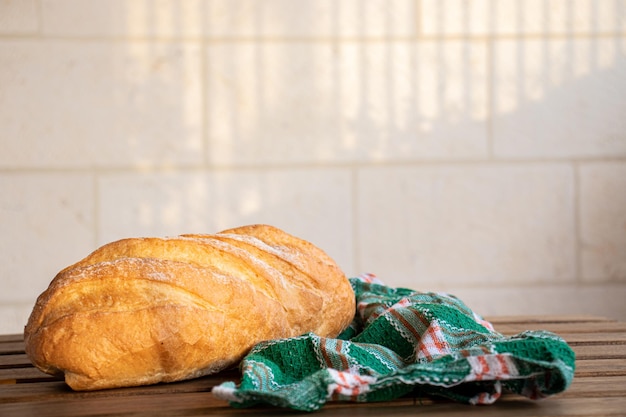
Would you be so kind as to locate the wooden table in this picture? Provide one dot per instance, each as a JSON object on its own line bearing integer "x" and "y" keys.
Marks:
{"x": 599, "y": 386}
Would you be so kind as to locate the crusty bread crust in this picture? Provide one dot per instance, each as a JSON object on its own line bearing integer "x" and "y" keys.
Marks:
{"x": 146, "y": 310}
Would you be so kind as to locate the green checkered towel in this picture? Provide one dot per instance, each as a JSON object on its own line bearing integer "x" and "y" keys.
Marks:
{"x": 402, "y": 341}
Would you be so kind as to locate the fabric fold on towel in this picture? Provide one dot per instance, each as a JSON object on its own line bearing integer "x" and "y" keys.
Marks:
{"x": 402, "y": 341}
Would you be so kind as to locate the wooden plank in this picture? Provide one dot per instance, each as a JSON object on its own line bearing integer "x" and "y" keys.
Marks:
{"x": 51, "y": 390}
{"x": 600, "y": 367}
{"x": 597, "y": 386}
{"x": 584, "y": 368}
{"x": 25, "y": 375}
{"x": 591, "y": 352}
{"x": 563, "y": 328}
{"x": 182, "y": 403}
{"x": 24, "y": 392}
{"x": 594, "y": 338}
{"x": 11, "y": 347}
{"x": 530, "y": 319}
{"x": 203, "y": 403}
{"x": 18, "y": 360}
{"x": 17, "y": 337}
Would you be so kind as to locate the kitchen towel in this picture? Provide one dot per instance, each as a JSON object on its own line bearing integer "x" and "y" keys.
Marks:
{"x": 402, "y": 341}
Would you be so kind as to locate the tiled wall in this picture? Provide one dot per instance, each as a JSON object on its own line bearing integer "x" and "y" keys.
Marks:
{"x": 471, "y": 146}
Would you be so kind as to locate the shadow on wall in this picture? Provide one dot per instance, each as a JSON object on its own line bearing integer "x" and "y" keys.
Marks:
{"x": 364, "y": 102}
{"x": 351, "y": 89}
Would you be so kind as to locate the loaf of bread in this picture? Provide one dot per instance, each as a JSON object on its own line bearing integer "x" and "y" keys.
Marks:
{"x": 146, "y": 310}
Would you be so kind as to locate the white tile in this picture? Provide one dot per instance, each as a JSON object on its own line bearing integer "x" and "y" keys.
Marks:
{"x": 312, "y": 102}
{"x": 84, "y": 104}
{"x": 451, "y": 94}
{"x": 14, "y": 316}
{"x": 467, "y": 224}
{"x": 321, "y": 18}
{"x": 559, "y": 98}
{"x": 272, "y": 103}
{"x": 114, "y": 18}
{"x": 18, "y": 17}
{"x": 47, "y": 224}
{"x": 603, "y": 221}
{"x": 528, "y": 17}
{"x": 153, "y": 204}
{"x": 312, "y": 204}
{"x": 453, "y": 17}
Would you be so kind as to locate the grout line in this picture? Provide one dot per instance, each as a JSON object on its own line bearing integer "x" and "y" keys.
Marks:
{"x": 96, "y": 208}
{"x": 39, "y": 13}
{"x": 204, "y": 69}
{"x": 495, "y": 162}
{"x": 317, "y": 39}
{"x": 490, "y": 97}
{"x": 417, "y": 15}
{"x": 356, "y": 247}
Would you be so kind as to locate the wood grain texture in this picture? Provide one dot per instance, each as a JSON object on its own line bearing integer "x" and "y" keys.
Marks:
{"x": 599, "y": 386}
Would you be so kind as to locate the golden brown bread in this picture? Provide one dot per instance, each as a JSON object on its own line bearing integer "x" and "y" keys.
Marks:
{"x": 146, "y": 310}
